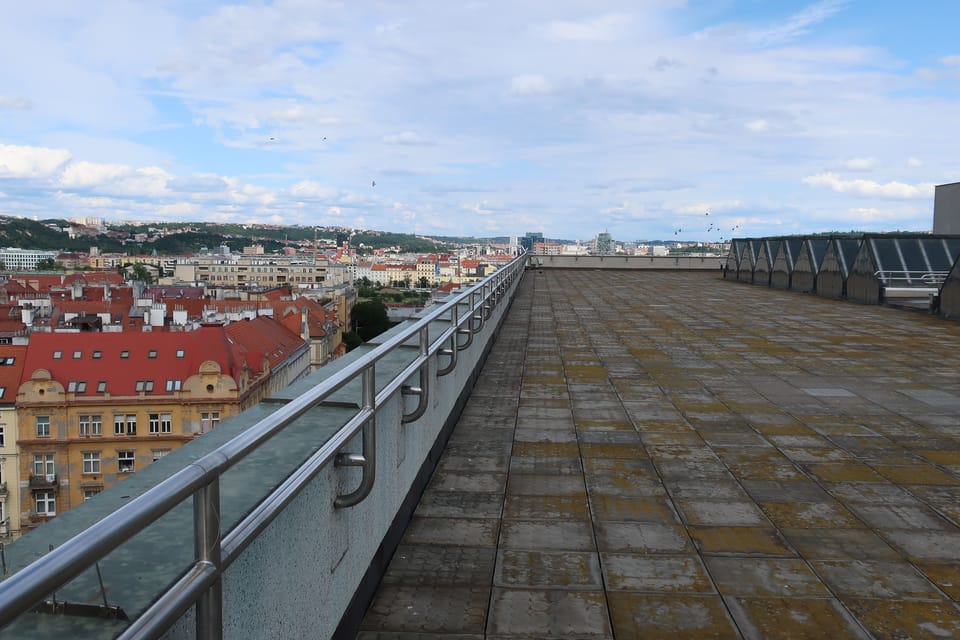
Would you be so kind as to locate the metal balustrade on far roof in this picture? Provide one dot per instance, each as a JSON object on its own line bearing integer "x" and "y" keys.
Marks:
{"x": 907, "y": 269}
{"x": 323, "y": 471}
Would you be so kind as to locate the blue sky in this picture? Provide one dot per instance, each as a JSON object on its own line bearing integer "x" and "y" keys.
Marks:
{"x": 482, "y": 117}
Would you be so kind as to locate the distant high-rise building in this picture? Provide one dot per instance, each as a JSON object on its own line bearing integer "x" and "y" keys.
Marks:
{"x": 604, "y": 244}
{"x": 946, "y": 208}
{"x": 531, "y": 239}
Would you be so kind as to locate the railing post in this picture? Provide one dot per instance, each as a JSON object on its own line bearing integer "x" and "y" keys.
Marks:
{"x": 368, "y": 459}
{"x": 206, "y": 533}
{"x": 423, "y": 390}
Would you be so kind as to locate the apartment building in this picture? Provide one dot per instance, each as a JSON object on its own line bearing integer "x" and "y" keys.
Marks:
{"x": 11, "y": 368}
{"x": 94, "y": 407}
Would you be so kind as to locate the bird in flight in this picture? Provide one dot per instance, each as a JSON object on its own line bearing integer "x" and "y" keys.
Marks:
{"x": 373, "y": 184}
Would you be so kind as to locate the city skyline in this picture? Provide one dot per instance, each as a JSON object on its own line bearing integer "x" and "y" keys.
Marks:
{"x": 672, "y": 120}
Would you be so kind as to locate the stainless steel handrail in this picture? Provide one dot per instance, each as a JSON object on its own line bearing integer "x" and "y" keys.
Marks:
{"x": 925, "y": 277}
{"x": 215, "y": 551}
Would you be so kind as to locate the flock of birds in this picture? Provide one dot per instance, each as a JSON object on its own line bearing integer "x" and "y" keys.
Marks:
{"x": 710, "y": 228}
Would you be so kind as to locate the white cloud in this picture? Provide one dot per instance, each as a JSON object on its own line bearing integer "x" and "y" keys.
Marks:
{"x": 799, "y": 24}
{"x": 869, "y": 188}
{"x": 15, "y": 102}
{"x": 602, "y": 28}
{"x": 757, "y": 126}
{"x": 950, "y": 61}
{"x": 914, "y": 162}
{"x": 530, "y": 85}
{"x": 311, "y": 190}
{"x": 860, "y": 164}
{"x": 408, "y": 138}
{"x": 30, "y": 162}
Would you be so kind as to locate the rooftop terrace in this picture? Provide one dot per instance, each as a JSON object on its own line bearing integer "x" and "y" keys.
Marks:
{"x": 674, "y": 455}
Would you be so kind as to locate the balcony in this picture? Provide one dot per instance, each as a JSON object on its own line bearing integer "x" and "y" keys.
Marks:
{"x": 43, "y": 481}
{"x": 642, "y": 454}
{"x": 3, "y": 488}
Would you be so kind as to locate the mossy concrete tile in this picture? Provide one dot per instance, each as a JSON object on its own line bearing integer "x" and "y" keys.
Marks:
{"x": 766, "y": 471}
{"x": 899, "y": 619}
{"x": 533, "y": 613}
{"x": 546, "y": 465}
{"x": 785, "y": 491}
{"x": 546, "y": 449}
{"x": 486, "y": 464}
{"x": 537, "y": 435}
{"x": 843, "y": 472}
{"x": 662, "y": 434}
{"x": 428, "y": 609}
{"x": 609, "y": 437}
{"x": 642, "y": 537}
{"x": 425, "y": 565}
{"x": 643, "y": 572}
{"x": 740, "y": 541}
{"x": 924, "y": 545}
{"x": 575, "y": 535}
{"x": 765, "y": 455}
{"x": 566, "y": 570}
{"x": 742, "y": 576}
{"x": 869, "y": 492}
{"x": 632, "y": 509}
{"x": 459, "y": 504}
{"x": 698, "y": 489}
{"x": 625, "y": 485}
{"x": 659, "y": 453}
{"x": 942, "y": 457}
{"x": 901, "y": 516}
{"x": 793, "y": 619}
{"x": 736, "y": 513}
{"x": 629, "y": 451}
{"x": 670, "y": 617}
{"x": 916, "y": 474}
{"x": 468, "y": 481}
{"x": 521, "y": 507}
{"x": 856, "y": 544}
{"x": 945, "y": 576}
{"x": 619, "y": 466}
{"x": 471, "y": 532}
{"x": 706, "y": 470}
{"x": 546, "y": 485}
{"x": 811, "y": 515}
{"x": 867, "y": 579}
{"x": 588, "y": 424}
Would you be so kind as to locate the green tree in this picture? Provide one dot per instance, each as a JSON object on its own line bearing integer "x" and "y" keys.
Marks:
{"x": 138, "y": 271}
{"x": 423, "y": 282}
{"x": 369, "y": 319}
{"x": 352, "y": 340}
{"x": 47, "y": 264}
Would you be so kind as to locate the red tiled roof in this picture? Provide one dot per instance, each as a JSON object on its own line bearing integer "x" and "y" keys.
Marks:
{"x": 266, "y": 336}
{"x": 12, "y": 358}
{"x": 101, "y": 357}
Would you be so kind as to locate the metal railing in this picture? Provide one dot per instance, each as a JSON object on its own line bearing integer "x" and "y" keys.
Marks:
{"x": 200, "y": 584}
{"x": 921, "y": 278}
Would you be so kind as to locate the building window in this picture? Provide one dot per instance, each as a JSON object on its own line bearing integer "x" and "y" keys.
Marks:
{"x": 209, "y": 421}
{"x": 46, "y": 503}
{"x": 139, "y": 386}
{"x": 152, "y": 354}
{"x": 81, "y": 386}
{"x": 3, "y": 428}
{"x": 119, "y": 423}
{"x": 148, "y": 385}
{"x": 125, "y": 461}
{"x": 124, "y": 354}
{"x": 57, "y": 355}
{"x": 181, "y": 353}
{"x": 160, "y": 423}
{"x": 102, "y": 386}
{"x": 131, "y": 425}
{"x": 89, "y": 493}
{"x": 173, "y": 385}
{"x": 97, "y": 355}
{"x": 43, "y": 426}
{"x": 159, "y": 453}
{"x": 77, "y": 355}
{"x": 3, "y": 391}
{"x": 91, "y": 462}
{"x": 90, "y": 425}
{"x": 43, "y": 465}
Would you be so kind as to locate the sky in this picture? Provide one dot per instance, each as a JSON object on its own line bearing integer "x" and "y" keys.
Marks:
{"x": 646, "y": 119}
